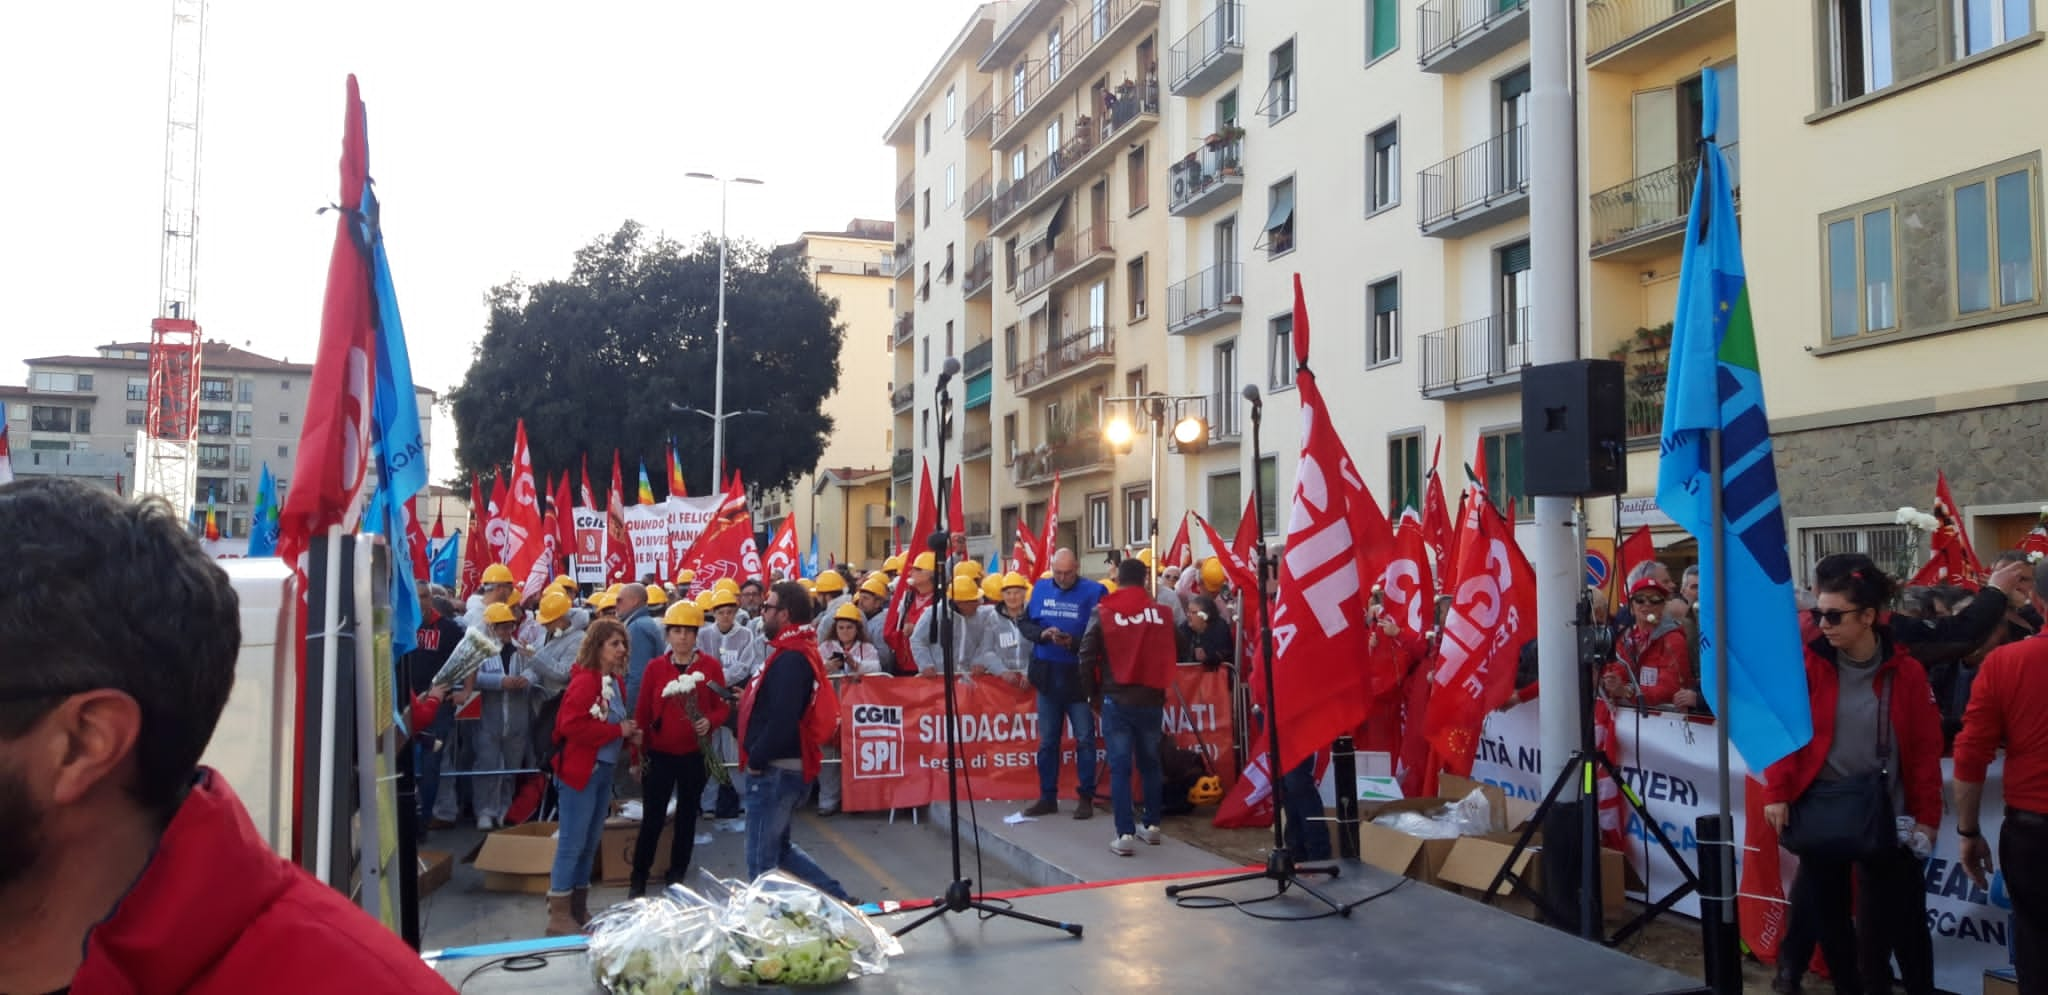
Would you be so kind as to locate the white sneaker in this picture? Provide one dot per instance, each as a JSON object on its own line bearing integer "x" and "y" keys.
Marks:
{"x": 1150, "y": 834}
{"x": 1124, "y": 846}
{"x": 485, "y": 823}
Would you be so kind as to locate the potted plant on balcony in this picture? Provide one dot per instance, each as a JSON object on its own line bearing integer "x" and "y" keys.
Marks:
{"x": 1654, "y": 337}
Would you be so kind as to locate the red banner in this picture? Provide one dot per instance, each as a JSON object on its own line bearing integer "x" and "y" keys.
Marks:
{"x": 893, "y": 738}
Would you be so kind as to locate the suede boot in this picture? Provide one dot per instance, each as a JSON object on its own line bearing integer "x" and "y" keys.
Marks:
{"x": 560, "y": 921}
{"x": 579, "y": 907}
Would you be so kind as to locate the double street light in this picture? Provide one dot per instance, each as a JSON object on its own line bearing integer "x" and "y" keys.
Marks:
{"x": 1180, "y": 417}
{"x": 717, "y": 414}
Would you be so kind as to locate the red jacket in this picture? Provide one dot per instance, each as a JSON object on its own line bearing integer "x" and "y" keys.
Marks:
{"x": 577, "y": 735}
{"x": 1658, "y": 667}
{"x": 217, "y": 912}
{"x": 1916, "y": 728}
{"x": 666, "y": 720}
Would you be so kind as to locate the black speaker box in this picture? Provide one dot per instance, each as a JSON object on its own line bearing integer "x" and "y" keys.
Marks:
{"x": 1574, "y": 432}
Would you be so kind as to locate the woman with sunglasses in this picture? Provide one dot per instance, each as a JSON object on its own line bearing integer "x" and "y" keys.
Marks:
{"x": 1873, "y": 714}
{"x": 1652, "y": 665}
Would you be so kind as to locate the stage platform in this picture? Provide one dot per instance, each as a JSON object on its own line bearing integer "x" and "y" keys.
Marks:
{"x": 1413, "y": 939}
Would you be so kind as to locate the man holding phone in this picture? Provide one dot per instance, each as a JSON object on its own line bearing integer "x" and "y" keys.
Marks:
{"x": 1055, "y": 619}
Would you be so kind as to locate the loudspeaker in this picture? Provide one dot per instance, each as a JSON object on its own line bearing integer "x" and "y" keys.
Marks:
{"x": 1574, "y": 431}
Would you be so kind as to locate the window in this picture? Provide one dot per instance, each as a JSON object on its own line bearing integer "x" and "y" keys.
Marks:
{"x": 1054, "y": 427}
{"x": 949, "y": 338}
{"x": 1513, "y": 261}
{"x": 949, "y": 185}
{"x": 241, "y": 457}
{"x": 284, "y": 418}
{"x": 1862, "y": 296}
{"x": 1504, "y": 473}
{"x": 924, "y": 283}
{"x": 1383, "y": 28}
{"x": 1383, "y": 169}
{"x": 1099, "y": 536}
{"x": 48, "y": 446}
{"x": 1981, "y": 24}
{"x": 138, "y": 388}
{"x": 1887, "y": 544}
{"x": 1226, "y": 502}
{"x": 213, "y": 457}
{"x": 64, "y": 382}
{"x": 284, "y": 385}
{"x": 1223, "y": 399}
{"x": 1098, "y": 18}
{"x": 216, "y": 391}
{"x": 284, "y": 452}
{"x": 1280, "y": 87}
{"x": 927, "y": 207}
{"x": 245, "y": 423}
{"x": 1052, "y": 142}
{"x": 1138, "y": 516}
{"x": 1134, "y": 287}
{"x": 1280, "y": 218}
{"x": 1383, "y": 305}
{"x": 85, "y": 381}
{"x": 927, "y": 132}
{"x": 1404, "y": 472}
{"x": 1010, "y": 441}
{"x": 952, "y": 106}
{"x": 1054, "y": 55}
{"x": 924, "y": 351}
{"x": 1140, "y": 192}
{"x": 1018, "y": 75}
{"x": 1269, "y": 494}
{"x": 238, "y": 525}
{"x": 1010, "y": 264}
{"x": 946, "y": 271}
{"x": 1017, "y": 165}
{"x": 1010, "y": 355}
{"x": 1994, "y": 236}
{"x": 245, "y": 391}
{"x": 44, "y": 418}
{"x": 137, "y": 416}
{"x": 83, "y": 420}
{"x": 1280, "y": 352}
{"x": 1859, "y": 47}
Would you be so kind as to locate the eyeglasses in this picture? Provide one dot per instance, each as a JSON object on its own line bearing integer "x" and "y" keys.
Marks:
{"x": 1830, "y": 618}
{"x": 1648, "y": 599}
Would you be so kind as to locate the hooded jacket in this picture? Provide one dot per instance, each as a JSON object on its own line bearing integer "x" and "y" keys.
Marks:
{"x": 1916, "y": 729}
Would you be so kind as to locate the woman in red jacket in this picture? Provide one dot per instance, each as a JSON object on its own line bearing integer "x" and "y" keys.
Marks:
{"x": 1652, "y": 668}
{"x": 591, "y": 731}
{"x": 1865, "y": 689}
{"x": 677, "y": 721}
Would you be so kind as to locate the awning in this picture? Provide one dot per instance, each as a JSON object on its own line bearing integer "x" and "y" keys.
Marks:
{"x": 980, "y": 387}
{"x": 1042, "y": 223}
{"x": 1283, "y": 208}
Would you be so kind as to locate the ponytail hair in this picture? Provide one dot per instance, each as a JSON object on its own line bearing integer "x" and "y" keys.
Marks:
{"x": 1856, "y": 577}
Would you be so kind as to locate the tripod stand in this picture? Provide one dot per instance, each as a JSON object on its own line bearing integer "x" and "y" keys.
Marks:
{"x": 959, "y": 896}
{"x": 1280, "y": 867}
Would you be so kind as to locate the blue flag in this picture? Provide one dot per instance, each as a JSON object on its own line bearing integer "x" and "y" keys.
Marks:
{"x": 263, "y": 522}
{"x": 399, "y": 449}
{"x": 447, "y": 558}
{"x": 812, "y": 565}
{"x": 1714, "y": 384}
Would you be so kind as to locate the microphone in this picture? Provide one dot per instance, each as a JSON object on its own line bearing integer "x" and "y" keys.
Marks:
{"x": 1251, "y": 393}
{"x": 946, "y": 373}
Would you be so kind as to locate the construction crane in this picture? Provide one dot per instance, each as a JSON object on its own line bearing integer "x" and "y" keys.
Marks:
{"x": 165, "y": 448}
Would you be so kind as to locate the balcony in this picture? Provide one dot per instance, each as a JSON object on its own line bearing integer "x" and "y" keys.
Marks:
{"x": 1477, "y": 357}
{"x": 1643, "y": 402}
{"x": 138, "y": 392}
{"x": 899, "y": 465}
{"x": 1208, "y": 54}
{"x": 1641, "y": 219}
{"x": 980, "y": 389}
{"x": 901, "y": 259}
{"x": 1457, "y": 35}
{"x": 980, "y": 194}
{"x": 978, "y": 358}
{"x": 976, "y": 443}
{"x": 1477, "y": 188}
{"x": 1092, "y": 39}
{"x": 217, "y": 393}
{"x": 1208, "y": 177}
{"x": 981, "y": 110}
{"x": 213, "y": 462}
{"x": 1205, "y": 300}
{"x": 213, "y": 426}
{"x": 1090, "y": 348}
{"x": 1629, "y": 36}
{"x": 981, "y": 270}
{"x": 1073, "y": 256}
{"x": 1224, "y": 420}
{"x": 906, "y": 194}
{"x": 900, "y": 399}
{"x": 1078, "y": 160}
{"x": 899, "y": 336}
{"x": 1070, "y": 458}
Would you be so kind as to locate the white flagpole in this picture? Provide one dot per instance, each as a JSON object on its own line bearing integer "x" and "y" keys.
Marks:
{"x": 1718, "y": 543}
{"x": 330, "y": 663}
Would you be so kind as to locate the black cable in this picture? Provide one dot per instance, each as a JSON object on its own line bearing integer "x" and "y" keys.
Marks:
{"x": 1220, "y": 902}
{"x": 516, "y": 964}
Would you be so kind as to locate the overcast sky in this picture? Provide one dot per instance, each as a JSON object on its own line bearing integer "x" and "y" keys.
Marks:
{"x": 502, "y": 137}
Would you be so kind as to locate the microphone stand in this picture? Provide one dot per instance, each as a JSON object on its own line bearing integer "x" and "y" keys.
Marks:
{"x": 1280, "y": 866}
{"x": 959, "y": 896}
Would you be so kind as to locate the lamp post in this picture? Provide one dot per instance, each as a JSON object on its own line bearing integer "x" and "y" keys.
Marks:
{"x": 718, "y": 378}
{"x": 718, "y": 420}
{"x": 1190, "y": 430}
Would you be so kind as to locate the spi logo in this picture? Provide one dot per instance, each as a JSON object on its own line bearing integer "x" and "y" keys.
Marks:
{"x": 877, "y": 741}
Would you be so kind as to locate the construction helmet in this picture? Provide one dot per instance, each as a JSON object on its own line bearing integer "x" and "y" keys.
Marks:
{"x": 685, "y": 614}
{"x": 499, "y": 614}
{"x": 1208, "y": 790}
{"x": 924, "y": 561}
{"x": 966, "y": 591}
{"x": 602, "y": 600}
{"x": 727, "y": 584}
{"x": 969, "y": 568}
{"x": 614, "y": 590}
{"x": 553, "y": 605}
{"x": 807, "y": 584}
{"x": 704, "y": 599}
{"x": 1047, "y": 575}
{"x": 722, "y": 599}
{"x": 656, "y": 595}
{"x": 892, "y": 565}
{"x": 498, "y": 573}
{"x": 686, "y": 576}
{"x": 564, "y": 581}
{"x": 1212, "y": 575}
{"x": 848, "y": 613}
{"x": 831, "y": 582}
{"x": 876, "y": 583}
{"x": 1145, "y": 557}
{"x": 992, "y": 587}
{"x": 1108, "y": 586}
{"x": 1015, "y": 579}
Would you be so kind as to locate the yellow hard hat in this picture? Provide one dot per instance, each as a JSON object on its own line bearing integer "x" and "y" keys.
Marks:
{"x": 969, "y": 568}
{"x": 704, "y": 599}
{"x": 686, "y": 576}
{"x": 602, "y": 600}
{"x": 992, "y": 587}
{"x": 685, "y": 614}
{"x": 924, "y": 561}
{"x": 966, "y": 591}
{"x": 1045, "y": 576}
{"x": 831, "y": 582}
{"x": 1015, "y": 579}
{"x": 848, "y": 613}
{"x": 615, "y": 589}
{"x": 1145, "y": 557}
{"x": 721, "y": 599}
{"x": 498, "y": 573}
{"x": 1212, "y": 575}
{"x": 893, "y": 564}
{"x": 727, "y": 584}
{"x": 876, "y": 583}
{"x": 499, "y": 614}
{"x": 1109, "y": 585}
{"x": 564, "y": 581}
{"x": 656, "y": 595}
{"x": 553, "y": 605}
{"x": 806, "y": 583}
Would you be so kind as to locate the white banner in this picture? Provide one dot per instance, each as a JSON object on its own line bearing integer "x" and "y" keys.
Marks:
{"x": 587, "y": 558}
{"x": 647, "y": 529}
{"x": 1669, "y": 761}
{"x": 686, "y": 518}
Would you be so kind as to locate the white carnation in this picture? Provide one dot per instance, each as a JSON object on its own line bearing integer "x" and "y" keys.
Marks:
{"x": 1906, "y": 515}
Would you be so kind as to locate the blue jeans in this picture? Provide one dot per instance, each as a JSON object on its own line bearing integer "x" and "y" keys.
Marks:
{"x": 582, "y": 828}
{"x": 773, "y": 796}
{"x": 1052, "y": 714}
{"x": 1133, "y": 730}
{"x": 426, "y": 763}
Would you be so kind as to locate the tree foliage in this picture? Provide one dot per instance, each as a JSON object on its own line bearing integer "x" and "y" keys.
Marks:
{"x": 593, "y": 361}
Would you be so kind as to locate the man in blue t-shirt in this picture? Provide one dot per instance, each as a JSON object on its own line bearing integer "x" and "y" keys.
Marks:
{"x": 1057, "y": 615}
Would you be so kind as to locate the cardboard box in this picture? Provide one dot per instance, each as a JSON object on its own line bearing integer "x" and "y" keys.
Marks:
{"x": 518, "y": 859}
{"x": 615, "y": 851}
{"x": 436, "y": 868}
{"x": 1412, "y": 856}
{"x": 1473, "y": 862}
{"x": 2001, "y": 981}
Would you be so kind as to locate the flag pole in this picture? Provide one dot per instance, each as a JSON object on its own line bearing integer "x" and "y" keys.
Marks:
{"x": 330, "y": 662}
{"x": 1718, "y": 543}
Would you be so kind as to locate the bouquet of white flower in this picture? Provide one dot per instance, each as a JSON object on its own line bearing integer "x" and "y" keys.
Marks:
{"x": 683, "y": 686}
{"x": 469, "y": 654}
{"x": 783, "y": 932}
{"x": 653, "y": 946}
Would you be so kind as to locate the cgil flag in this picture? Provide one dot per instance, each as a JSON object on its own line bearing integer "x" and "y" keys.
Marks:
{"x": 618, "y": 548}
{"x": 475, "y": 551}
{"x": 527, "y": 542}
{"x": 1953, "y": 560}
{"x": 1715, "y": 386}
{"x": 1178, "y": 553}
{"x": 782, "y": 550}
{"x": 1493, "y": 613}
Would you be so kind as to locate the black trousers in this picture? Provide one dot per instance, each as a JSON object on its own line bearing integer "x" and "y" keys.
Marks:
{"x": 2023, "y": 859}
{"x": 669, "y": 775}
{"x": 1892, "y": 905}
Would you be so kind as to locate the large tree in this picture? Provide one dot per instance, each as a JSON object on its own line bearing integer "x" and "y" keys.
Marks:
{"x": 593, "y": 361}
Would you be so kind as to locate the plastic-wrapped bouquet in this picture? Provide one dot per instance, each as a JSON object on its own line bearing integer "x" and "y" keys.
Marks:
{"x": 783, "y": 932}
{"x": 469, "y": 654}
{"x": 653, "y": 946}
{"x": 685, "y": 687}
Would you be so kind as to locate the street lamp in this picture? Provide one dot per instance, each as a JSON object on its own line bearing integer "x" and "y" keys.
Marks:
{"x": 718, "y": 378}
{"x": 1187, "y": 413}
{"x": 718, "y": 420}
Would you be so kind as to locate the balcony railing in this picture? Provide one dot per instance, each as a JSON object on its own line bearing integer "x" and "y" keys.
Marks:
{"x": 976, "y": 442}
{"x": 906, "y": 193}
{"x": 217, "y": 395}
{"x": 981, "y": 270}
{"x": 978, "y": 525}
{"x": 900, "y": 398}
{"x": 1643, "y": 402}
{"x": 1613, "y": 24}
{"x": 979, "y": 193}
{"x": 978, "y": 358}
{"x": 1482, "y": 185}
{"x": 981, "y": 110}
{"x": 906, "y": 322}
{"x": 1068, "y": 253}
{"x": 211, "y": 427}
{"x": 138, "y": 392}
{"x": 1650, "y": 206}
{"x": 1075, "y": 58}
{"x": 1208, "y": 53}
{"x": 1455, "y": 35}
{"x": 1208, "y": 176}
{"x": 902, "y": 258}
{"x": 1090, "y": 345}
{"x": 899, "y": 465}
{"x": 1477, "y": 355}
{"x": 1037, "y": 466}
{"x": 213, "y": 462}
{"x": 1207, "y": 298}
{"x": 1013, "y": 196}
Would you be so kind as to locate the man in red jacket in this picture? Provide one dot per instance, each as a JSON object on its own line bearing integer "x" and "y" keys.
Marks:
{"x": 126, "y": 868}
{"x": 1128, "y": 653}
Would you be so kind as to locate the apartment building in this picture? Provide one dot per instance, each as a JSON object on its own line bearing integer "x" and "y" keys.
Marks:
{"x": 80, "y": 414}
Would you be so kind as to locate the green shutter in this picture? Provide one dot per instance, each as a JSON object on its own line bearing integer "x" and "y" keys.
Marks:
{"x": 1386, "y": 29}
{"x": 1515, "y": 258}
{"x": 1512, "y": 496}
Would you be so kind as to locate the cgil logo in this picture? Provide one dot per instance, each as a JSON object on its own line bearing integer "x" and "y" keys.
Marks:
{"x": 877, "y": 742}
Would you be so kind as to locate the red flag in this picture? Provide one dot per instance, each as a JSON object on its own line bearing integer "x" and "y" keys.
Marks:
{"x": 783, "y": 555}
{"x": 1492, "y": 615}
{"x": 956, "y": 510}
{"x": 1953, "y": 559}
{"x": 589, "y": 499}
{"x": 1417, "y": 766}
{"x": 724, "y": 549}
{"x": 565, "y": 519}
{"x": 1250, "y": 534}
{"x": 920, "y": 527}
{"x": 1952, "y": 521}
{"x": 474, "y": 549}
{"x": 416, "y": 539}
{"x": 1249, "y": 802}
{"x": 1607, "y": 739}
{"x": 618, "y": 549}
{"x": 524, "y": 551}
{"x": 550, "y": 553}
{"x": 494, "y": 514}
{"x": 1241, "y": 574}
{"x": 1337, "y": 547}
{"x": 439, "y": 531}
{"x": 1436, "y": 513}
{"x": 1024, "y": 552}
{"x": 2036, "y": 540}
{"x": 1178, "y": 552}
{"x": 1760, "y": 904}
{"x": 1409, "y": 585}
{"x": 1637, "y": 549}
{"x": 1048, "y": 541}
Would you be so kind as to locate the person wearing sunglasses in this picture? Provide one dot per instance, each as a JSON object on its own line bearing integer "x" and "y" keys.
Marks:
{"x": 1653, "y": 665}
{"x": 1873, "y": 717}
{"x": 125, "y": 864}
